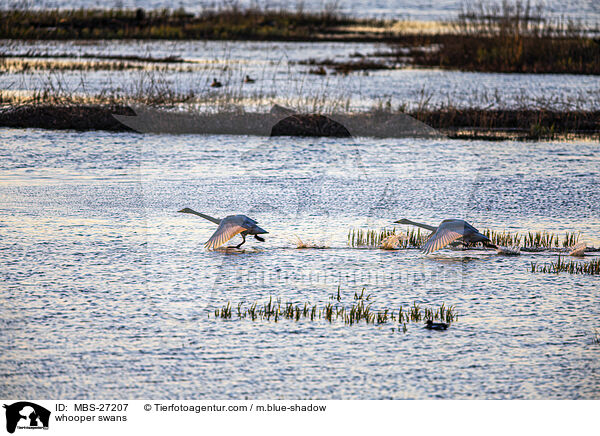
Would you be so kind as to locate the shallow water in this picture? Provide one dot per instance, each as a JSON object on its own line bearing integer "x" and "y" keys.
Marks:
{"x": 106, "y": 290}
{"x": 280, "y": 78}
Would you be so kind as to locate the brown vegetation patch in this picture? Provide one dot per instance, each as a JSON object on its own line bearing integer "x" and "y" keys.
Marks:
{"x": 57, "y": 117}
{"x": 309, "y": 125}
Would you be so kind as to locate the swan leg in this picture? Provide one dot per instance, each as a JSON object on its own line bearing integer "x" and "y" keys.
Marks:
{"x": 258, "y": 238}
{"x": 243, "y": 240}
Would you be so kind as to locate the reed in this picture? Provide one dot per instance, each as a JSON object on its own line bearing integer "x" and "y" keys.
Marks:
{"x": 504, "y": 238}
{"x": 359, "y": 310}
{"x": 17, "y": 64}
{"x": 532, "y": 240}
{"x": 337, "y": 296}
{"x": 532, "y": 120}
{"x": 374, "y": 238}
{"x": 370, "y": 238}
{"x": 357, "y": 296}
{"x": 596, "y": 336}
{"x": 591, "y": 267}
{"x": 514, "y": 37}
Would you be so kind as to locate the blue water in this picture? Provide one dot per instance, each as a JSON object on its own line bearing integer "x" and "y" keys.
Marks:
{"x": 107, "y": 292}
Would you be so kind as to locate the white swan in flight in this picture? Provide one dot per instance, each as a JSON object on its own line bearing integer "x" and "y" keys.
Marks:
{"x": 449, "y": 231}
{"x": 229, "y": 227}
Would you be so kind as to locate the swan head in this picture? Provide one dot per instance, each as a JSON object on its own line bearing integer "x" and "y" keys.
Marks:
{"x": 403, "y": 221}
{"x": 259, "y": 231}
{"x": 186, "y": 210}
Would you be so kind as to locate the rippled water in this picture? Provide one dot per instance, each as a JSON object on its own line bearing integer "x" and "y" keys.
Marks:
{"x": 281, "y": 79}
{"x": 585, "y": 10}
{"x": 105, "y": 289}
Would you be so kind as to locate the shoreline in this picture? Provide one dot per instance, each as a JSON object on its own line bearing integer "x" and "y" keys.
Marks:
{"x": 473, "y": 124}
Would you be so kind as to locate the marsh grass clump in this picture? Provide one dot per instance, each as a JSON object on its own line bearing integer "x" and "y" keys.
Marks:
{"x": 367, "y": 238}
{"x": 375, "y": 238}
{"x": 360, "y": 296}
{"x": 391, "y": 239}
{"x": 506, "y": 239}
{"x": 345, "y": 67}
{"x": 541, "y": 239}
{"x": 231, "y": 22}
{"x": 360, "y": 309}
{"x": 337, "y": 296}
{"x": 571, "y": 239}
{"x": 549, "y": 240}
{"x": 533, "y": 240}
{"x": 591, "y": 267}
{"x": 535, "y": 119}
{"x": 513, "y": 36}
{"x": 20, "y": 65}
{"x": 225, "y": 312}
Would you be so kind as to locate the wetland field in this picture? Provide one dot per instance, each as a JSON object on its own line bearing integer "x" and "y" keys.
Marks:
{"x": 108, "y": 292}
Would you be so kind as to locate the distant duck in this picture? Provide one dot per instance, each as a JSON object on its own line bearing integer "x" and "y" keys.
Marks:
{"x": 215, "y": 83}
{"x": 429, "y": 324}
{"x": 248, "y": 79}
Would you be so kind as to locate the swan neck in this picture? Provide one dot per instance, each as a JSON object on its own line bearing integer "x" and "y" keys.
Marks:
{"x": 206, "y": 217}
{"x": 423, "y": 226}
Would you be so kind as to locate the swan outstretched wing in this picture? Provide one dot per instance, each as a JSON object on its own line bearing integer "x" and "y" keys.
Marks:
{"x": 442, "y": 237}
{"x": 226, "y": 230}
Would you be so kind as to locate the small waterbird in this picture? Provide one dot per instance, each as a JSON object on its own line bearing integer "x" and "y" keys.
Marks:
{"x": 215, "y": 83}
{"x": 229, "y": 227}
{"x": 248, "y": 79}
{"x": 429, "y": 324}
{"x": 449, "y": 231}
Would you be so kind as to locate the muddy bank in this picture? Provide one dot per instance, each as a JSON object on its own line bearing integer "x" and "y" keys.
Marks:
{"x": 455, "y": 123}
{"x": 518, "y": 123}
{"x": 278, "y": 122}
{"x": 63, "y": 117}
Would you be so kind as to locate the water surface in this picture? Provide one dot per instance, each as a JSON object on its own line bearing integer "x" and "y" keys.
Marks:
{"x": 106, "y": 290}
{"x": 282, "y": 78}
